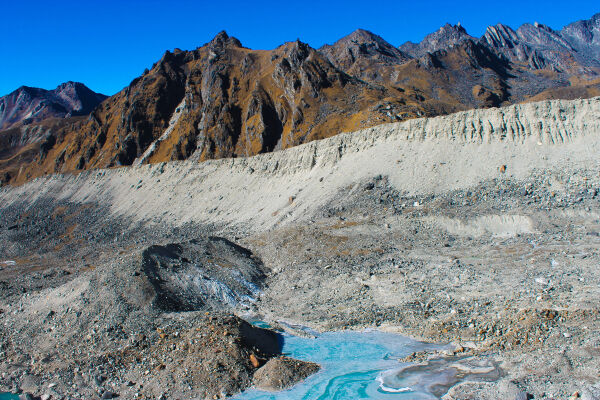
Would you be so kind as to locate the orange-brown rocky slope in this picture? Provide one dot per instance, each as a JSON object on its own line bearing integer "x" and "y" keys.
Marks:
{"x": 222, "y": 100}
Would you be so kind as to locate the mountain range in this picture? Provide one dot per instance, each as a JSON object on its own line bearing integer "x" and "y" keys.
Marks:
{"x": 225, "y": 100}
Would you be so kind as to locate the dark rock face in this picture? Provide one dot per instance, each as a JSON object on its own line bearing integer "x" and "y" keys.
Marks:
{"x": 28, "y": 104}
{"x": 584, "y": 36}
{"x": 536, "y": 45}
{"x": 204, "y": 274}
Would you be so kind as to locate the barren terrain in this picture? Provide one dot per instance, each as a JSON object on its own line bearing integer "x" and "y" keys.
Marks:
{"x": 481, "y": 228}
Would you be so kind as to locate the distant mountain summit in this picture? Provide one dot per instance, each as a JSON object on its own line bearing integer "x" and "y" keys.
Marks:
{"x": 584, "y": 36}
{"x": 28, "y": 104}
{"x": 442, "y": 39}
{"x": 362, "y": 50}
{"x": 573, "y": 49}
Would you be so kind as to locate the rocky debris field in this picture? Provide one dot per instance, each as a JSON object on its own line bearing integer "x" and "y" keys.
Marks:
{"x": 133, "y": 324}
{"x": 136, "y": 282}
{"x": 507, "y": 269}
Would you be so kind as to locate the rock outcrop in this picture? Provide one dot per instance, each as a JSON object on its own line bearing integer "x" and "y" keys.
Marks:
{"x": 282, "y": 373}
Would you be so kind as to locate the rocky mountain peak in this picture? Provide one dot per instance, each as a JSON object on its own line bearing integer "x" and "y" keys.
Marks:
{"x": 445, "y": 37}
{"x": 585, "y": 37}
{"x": 539, "y": 46}
{"x": 364, "y": 43}
{"x": 364, "y": 36}
{"x": 30, "y": 104}
{"x": 453, "y": 30}
{"x": 222, "y": 40}
{"x": 69, "y": 85}
{"x": 361, "y": 48}
{"x": 589, "y": 26}
{"x": 542, "y": 35}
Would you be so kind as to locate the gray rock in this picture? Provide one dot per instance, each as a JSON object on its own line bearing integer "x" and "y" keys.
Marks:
{"x": 523, "y": 396}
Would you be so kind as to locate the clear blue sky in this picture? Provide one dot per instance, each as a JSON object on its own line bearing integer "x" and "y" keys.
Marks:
{"x": 105, "y": 44}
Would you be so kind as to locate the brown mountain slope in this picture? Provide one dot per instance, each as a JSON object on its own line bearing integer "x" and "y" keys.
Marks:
{"x": 222, "y": 100}
{"x": 577, "y": 90}
{"x": 26, "y": 146}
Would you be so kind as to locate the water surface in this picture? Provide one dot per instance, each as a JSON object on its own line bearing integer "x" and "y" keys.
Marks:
{"x": 365, "y": 365}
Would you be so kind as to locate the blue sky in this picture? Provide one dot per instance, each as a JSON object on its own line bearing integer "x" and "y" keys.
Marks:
{"x": 105, "y": 44}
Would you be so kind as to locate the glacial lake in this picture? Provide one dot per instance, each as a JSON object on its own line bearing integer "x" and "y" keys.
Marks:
{"x": 365, "y": 365}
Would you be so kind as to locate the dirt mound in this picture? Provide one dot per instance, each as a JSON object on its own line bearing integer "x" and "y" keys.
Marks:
{"x": 105, "y": 331}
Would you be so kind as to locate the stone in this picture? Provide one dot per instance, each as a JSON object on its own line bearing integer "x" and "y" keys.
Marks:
{"x": 541, "y": 280}
{"x": 108, "y": 395}
{"x": 523, "y": 396}
{"x": 282, "y": 373}
{"x": 254, "y": 361}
